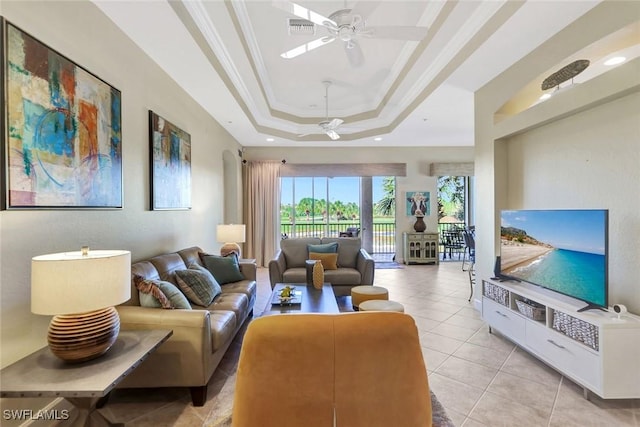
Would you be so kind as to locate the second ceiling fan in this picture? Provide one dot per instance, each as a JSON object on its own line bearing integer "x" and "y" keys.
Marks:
{"x": 347, "y": 25}
{"x": 330, "y": 127}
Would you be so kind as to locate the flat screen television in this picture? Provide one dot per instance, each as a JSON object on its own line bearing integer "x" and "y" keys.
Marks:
{"x": 561, "y": 250}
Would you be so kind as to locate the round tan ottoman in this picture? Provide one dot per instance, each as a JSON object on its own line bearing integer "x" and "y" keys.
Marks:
{"x": 381, "y": 305}
{"x": 360, "y": 294}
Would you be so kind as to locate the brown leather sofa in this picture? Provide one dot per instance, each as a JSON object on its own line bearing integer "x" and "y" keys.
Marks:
{"x": 355, "y": 265}
{"x": 200, "y": 337}
{"x": 361, "y": 369}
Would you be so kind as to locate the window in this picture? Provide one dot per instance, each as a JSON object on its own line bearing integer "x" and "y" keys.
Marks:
{"x": 305, "y": 212}
{"x": 455, "y": 201}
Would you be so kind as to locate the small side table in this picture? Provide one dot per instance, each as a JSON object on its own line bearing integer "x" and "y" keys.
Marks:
{"x": 41, "y": 374}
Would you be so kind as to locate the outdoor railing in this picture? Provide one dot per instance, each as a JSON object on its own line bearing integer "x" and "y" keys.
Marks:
{"x": 384, "y": 234}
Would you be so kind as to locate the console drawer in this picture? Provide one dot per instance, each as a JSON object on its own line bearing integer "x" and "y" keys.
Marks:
{"x": 569, "y": 357}
{"x": 504, "y": 320}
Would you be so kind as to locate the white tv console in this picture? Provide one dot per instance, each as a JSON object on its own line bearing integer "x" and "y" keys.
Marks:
{"x": 593, "y": 348}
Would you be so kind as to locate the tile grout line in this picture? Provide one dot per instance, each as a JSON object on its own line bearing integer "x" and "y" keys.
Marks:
{"x": 486, "y": 389}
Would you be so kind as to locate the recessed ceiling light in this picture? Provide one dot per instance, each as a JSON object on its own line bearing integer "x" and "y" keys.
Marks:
{"x": 270, "y": 139}
{"x": 545, "y": 96}
{"x": 615, "y": 60}
{"x": 377, "y": 139}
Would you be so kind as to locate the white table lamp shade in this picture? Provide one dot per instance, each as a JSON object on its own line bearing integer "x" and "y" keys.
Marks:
{"x": 231, "y": 233}
{"x": 70, "y": 282}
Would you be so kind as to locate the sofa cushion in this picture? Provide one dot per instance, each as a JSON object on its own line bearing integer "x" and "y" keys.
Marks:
{"x": 329, "y": 261}
{"x": 343, "y": 276}
{"x": 225, "y": 269}
{"x": 295, "y": 275}
{"x": 295, "y": 250}
{"x": 238, "y": 303}
{"x": 247, "y": 287}
{"x": 167, "y": 264}
{"x": 348, "y": 250}
{"x": 326, "y": 248}
{"x": 198, "y": 284}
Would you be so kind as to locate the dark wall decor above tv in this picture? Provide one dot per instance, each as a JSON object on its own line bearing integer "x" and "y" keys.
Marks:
{"x": 562, "y": 250}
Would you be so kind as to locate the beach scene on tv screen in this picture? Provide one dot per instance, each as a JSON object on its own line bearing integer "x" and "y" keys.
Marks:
{"x": 563, "y": 250}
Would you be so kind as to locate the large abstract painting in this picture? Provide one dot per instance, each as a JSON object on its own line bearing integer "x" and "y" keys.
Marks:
{"x": 170, "y": 165}
{"x": 62, "y": 130}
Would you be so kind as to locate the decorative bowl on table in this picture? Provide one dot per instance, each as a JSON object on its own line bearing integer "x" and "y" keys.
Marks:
{"x": 287, "y": 295}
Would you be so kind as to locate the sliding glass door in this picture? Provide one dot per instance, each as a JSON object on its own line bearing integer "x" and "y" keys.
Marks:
{"x": 329, "y": 206}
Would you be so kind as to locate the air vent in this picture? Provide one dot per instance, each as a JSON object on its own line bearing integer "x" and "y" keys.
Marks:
{"x": 301, "y": 26}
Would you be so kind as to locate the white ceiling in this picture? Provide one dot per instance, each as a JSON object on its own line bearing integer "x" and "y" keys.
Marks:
{"x": 409, "y": 93}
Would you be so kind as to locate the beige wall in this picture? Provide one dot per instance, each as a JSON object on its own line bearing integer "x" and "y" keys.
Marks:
{"x": 580, "y": 149}
{"x": 82, "y": 33}
{"x": 417, "y": 159}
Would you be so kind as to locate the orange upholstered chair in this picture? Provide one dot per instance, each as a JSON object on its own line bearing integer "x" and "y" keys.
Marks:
{"x": 352, "y": 369}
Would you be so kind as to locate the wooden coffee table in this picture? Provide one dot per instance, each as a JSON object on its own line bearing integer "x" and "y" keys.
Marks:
{"x": 313, "y": 300}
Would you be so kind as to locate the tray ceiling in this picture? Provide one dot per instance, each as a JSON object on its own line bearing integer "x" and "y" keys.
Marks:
{"x": 227, "y": 55}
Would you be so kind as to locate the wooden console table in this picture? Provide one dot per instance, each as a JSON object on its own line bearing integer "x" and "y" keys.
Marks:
{"x": 420, "y": 248}
{"x": 41, "y": 374}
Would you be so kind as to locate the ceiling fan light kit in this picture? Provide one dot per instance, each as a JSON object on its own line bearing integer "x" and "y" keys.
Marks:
{"x": 301, "y": 26}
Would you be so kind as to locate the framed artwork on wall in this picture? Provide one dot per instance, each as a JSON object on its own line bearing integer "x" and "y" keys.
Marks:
{"x": 418, "y": 200}
{"x": 170, "y": 158}
{"x": 61, "y": 130}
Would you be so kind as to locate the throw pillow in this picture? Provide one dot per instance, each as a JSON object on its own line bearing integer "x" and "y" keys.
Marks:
{"x": 325, "y": 248}
{"x": 198, "y": 285}
{"x": 329, "y": 261}
{"x": 176, "y": 297}
{"x": 158, "y": 293}
{"x": 150, "y": 294}
{"x": 225, "y": 269}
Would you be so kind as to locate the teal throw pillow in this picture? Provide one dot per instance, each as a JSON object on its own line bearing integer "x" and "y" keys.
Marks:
{"x": 224, "y": 268}
{"x": 325, "y": 248}
{"x": 198, "y": 285}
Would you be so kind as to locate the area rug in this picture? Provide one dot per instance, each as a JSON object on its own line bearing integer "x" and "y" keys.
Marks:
{"x": 223, "y": 408}
{"x": 224, "y": 385}
{"x": 388, "y": 265}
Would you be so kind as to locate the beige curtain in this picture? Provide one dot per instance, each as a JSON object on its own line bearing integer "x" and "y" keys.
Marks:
{"x": 261, "y": 200}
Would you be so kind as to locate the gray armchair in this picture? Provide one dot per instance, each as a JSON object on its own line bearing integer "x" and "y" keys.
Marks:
{"x": 355, "y": 265}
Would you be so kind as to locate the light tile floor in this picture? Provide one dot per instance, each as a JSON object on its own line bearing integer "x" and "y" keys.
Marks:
{"x": 483, "y": 379}
{"x": 480, "y": 378}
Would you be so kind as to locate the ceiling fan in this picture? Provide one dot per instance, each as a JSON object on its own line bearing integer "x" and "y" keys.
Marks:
{"x": 347, "y": 25}
{"x": 328, "y": 126}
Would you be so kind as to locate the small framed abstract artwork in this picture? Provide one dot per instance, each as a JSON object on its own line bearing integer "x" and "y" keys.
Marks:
{"x": 61, "y": 128}
{"x": 418, "y": 201}
{"x": 170, "y": 158}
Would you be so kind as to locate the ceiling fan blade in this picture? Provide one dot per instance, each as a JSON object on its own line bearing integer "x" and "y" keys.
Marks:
{"x": 364, "y": 8}
{"x": 304, "y": 13}
{"x": 397, "y": 32}
{"x": 354, "y": 53}
{"x": 333, "y": 124}
{"x": 332, "y": 134}
{"x": 304, "y": 48}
